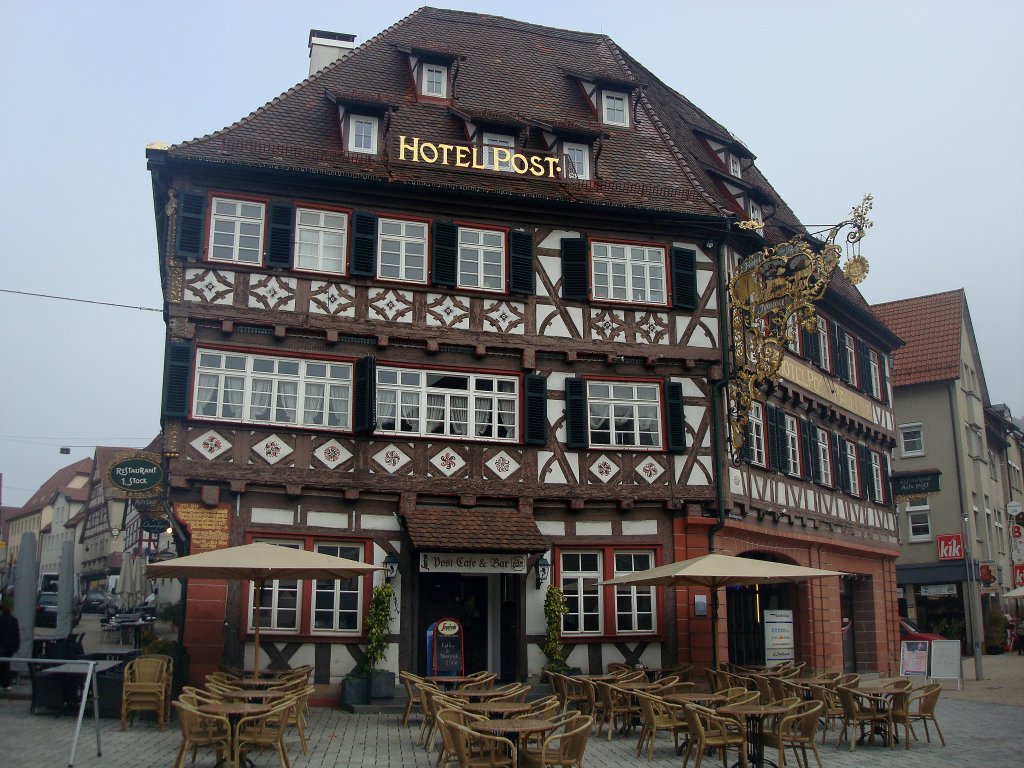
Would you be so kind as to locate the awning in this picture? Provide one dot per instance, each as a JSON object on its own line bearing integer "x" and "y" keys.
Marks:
{"x": 474, "y": 530}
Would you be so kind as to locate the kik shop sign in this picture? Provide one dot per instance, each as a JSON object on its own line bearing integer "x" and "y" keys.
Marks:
{"x": 489, "y": 158}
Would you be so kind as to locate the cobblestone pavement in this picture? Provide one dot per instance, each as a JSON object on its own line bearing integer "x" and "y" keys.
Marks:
{"x": 982, "y": 726}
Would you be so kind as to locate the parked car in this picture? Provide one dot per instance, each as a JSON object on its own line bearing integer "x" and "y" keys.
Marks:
{"x": 910, "y": 631}
{"x": 94, "y": 602}
{"x": 46, "y": 610}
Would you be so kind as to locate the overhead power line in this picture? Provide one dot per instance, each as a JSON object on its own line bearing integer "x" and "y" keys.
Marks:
{"x": 80, "y": 301}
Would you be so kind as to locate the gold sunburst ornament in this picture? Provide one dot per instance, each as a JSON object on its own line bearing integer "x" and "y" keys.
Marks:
{"x": 772, "y": 295}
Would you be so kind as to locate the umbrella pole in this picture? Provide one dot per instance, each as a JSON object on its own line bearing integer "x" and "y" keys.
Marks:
{"x": 258, "y": 598}
{"x": 714, "y": 628}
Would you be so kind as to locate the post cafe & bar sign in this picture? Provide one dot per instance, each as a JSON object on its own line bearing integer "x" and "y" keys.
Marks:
{"x": 486, "y": 158}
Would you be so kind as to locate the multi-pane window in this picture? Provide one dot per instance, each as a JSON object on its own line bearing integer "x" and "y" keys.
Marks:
{"x": 435, "y": 80}
{"x": 792, "y": 443}
{"x": 336, "y": 602}
{"x": 362, "y": 135}
{"x": 823, "y": 356}
{"x": 634, "y": 606}
{"x": 824, "y": 458}
{"x": 919, "y": 526}
{"x": 623, "y": 414}
{"x": 875, "y": 383}
{"x": 628, "y": 272}
{"x": 850, "y": 351}
{"x": 756, "y": 434}
{"x": 878, "y": 490}
{"x": 236, "y": 231}
{"x": 911, "y": 440}
{"x": 320, "y": 240}
{"x": 403, "y": 250}
{"x": 734, "y": 166}
{"x": 481, "y": 259}
{"x": 578, "y": 157}
{"x": 580, "y": 582}
{"x": 615, "y": 108}
{"x": 851, "y": 468}
{"x": 498, "y": 161}
{"x": 273, "y": 390}
{"x": 973, "y": 441}
{"x": 278, "y": 601}
{"x": 415, "y": 402}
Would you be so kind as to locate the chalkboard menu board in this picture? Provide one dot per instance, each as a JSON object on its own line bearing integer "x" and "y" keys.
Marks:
{"x": 445, "y": 639}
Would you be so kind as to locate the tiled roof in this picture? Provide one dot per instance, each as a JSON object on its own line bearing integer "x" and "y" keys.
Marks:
{"x": 508, "y": 67}
{"x": 57, "y": 481}
{"x": 474, "y": 530}
{"x": 930, "y": 326}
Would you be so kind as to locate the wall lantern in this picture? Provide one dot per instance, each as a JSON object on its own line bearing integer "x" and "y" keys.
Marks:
{"x": 543, "y": 571}
{"x": 390, "y": 566}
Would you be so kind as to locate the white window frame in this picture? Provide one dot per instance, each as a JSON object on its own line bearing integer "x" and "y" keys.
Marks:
{"x": 607, "y": 108}
{"x": 852, "y": 469}
{"x": 408, "y": 404}
{"x": 409, "y": 262}
{"x": 974, "y": 442}
{"x": 238, "y": 232}
{"x": 734, "y": 166}
{"x": 793, "y": 334}
{"x": 791, "y": 433}
{"x": 236, "y": 374}
{"x": 581, "y": 169}
{"x": 626, "y": 412}
{"x": 913, "y": 426}
{"x": 277, "y": 591}
{"x": 441, "y": 70}
{"x": 756, "y": 420}
{"x": 824, "y": 359}
{"x": 353, "y": 134}
{"x": 824, "y": 458}
{"x": 486, "y": 258}
{"x": 876, "y": 477}
{"x": 634, "y": 603}
{"x": 583, "y": 591}
{"x": 916, "y": 508}
{"x": 850, "y": 350}
{"x": 329, "y": 232}
{"x": 491, "y": 140}
{"x": 636, "y": 273}
{"x": 337, "y": 590}
{"x": 876, "y": 381}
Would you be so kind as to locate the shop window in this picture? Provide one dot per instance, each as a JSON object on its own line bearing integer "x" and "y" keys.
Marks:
{"x": 236, "y": 231}
{"x": 919, "y": 526}
{"x": 911, "y": 440}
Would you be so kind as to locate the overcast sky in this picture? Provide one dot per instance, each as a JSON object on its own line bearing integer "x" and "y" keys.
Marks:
{"x": 919, "y": 103}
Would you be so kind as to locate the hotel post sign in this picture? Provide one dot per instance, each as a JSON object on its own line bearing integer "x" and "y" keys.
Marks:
{"x": 472, "y": 157}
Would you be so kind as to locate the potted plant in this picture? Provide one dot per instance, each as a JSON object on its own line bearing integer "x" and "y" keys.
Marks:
{"x": 555, "y": 607}
{"x": 378, "y": 624}
{"x": 355, "y": 688}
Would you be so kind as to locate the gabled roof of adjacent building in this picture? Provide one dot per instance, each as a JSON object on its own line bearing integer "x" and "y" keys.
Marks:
{"x": 930, "y": 327}
{"x": 57, "y": 483}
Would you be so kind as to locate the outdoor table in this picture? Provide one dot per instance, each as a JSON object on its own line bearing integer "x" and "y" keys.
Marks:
{"x": 77, "y": 669}
{"x": 248, "y": 682}
{"x": 636, "y": 685}
{"x": 251, "y": 695}
{"x": 694, "y": 697}
{"x": 755, "y": 715}
{"x": 885, "y": 692}
{"x": 449, "y": 680}
{"x": 605, "y": 678}
{"x": 498, "y": 709}
{"x": 233, "y": 711}
{"x": 475, "y": 695}
{"x": 514, "y": 729}
{"x": 136, "y": 629}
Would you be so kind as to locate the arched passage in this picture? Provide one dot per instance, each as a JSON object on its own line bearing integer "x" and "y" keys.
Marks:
{"x": 745, "y": 607}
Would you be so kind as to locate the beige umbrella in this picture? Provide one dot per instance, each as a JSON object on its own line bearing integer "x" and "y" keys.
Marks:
{"x": 715, "y": 571}
{"x": 1018, "y": 592}
{"x": 259, "y": 563}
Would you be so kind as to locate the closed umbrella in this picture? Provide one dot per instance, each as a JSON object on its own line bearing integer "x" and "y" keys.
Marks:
{"x": 125, "y": 583}
{"x": 715, "y": 571}
{"x": 258, "y": 563}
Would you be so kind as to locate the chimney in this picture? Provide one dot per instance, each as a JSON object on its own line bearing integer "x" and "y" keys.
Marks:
{"x": 328, "y": 47}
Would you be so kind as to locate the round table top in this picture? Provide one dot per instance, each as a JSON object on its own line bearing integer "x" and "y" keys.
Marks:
{"x": 498, "y": 707}
{"x": 636, "y": 685}
{"x": 234, "y": 708}
{"x": 747, "y": 710}
{"x": 693, "y": 697}
{"x": 520, "y": 725}
{"x": 808, "y": 680}
{"x": 454, "y": 679}
{"x": 254, "y": 695}
{"x": 478, "y": 695}
{"x": 250, "y": 683}
{"x": 595, "y": 678}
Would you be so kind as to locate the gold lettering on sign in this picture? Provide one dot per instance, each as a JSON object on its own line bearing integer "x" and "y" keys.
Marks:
{"x": 826, "y": 388}
{"x": 413, "y": 149}
{"x": 207, "y": 526}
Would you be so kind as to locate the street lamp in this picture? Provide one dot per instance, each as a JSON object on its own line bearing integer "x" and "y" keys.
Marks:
{"x": 390, "y": 566}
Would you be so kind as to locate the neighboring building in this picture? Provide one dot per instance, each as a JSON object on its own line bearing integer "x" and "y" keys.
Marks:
{"x": 462, "y": 308}
{"x": 1006, "y": 447}
{"x": 66, "y": 503}
{"x": 101, "y": 529}
{"x": 944, "y": 426}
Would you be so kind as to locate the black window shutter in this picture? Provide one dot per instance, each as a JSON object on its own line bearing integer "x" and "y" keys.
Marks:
{"x": 177, "y": 377}
{"x": 806, "y": 449}
{"x": 535, "y": 405}
{"x": 866, "y": 489}
{"x": 839, "y": 446}
{"x": 747, "y": 451}
{"x": 774, "y": 443}
{"x": 807, "y": 344}
{"x": 445, "y": 261}
{"x": 684, "y": 278}
{"x": 191, "y": 218}
{"x": 280, "y": 240}
{"x": 521, "y": 277}
{"x": 674, "y": 415}
{"x": 885, "y": 478}
{"x": 883, "y": 379}
{"x": 575, "y": 269}
{"x": 364, "y": 419}
{"x": 839, "y": 367}
{"x": 815, "y": 457}
{"x": 575, "y": 413}
{"x": 863, "y": 368}
{"x": 364, "y": 245}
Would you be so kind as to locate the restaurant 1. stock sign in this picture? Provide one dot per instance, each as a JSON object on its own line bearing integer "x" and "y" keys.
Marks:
{"x": 951, "y": 546}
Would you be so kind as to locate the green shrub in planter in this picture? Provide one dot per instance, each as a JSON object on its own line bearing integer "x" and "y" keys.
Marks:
{"x": 378, "y": 623}
{"x": 555, "y": 606}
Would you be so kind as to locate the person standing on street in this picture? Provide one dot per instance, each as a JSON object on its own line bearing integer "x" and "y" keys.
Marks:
{"x": 10, "y": 641}
{"x": 1020, "y": 635}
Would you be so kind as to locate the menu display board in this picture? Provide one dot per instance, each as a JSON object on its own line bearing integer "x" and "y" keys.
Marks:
{"x": 208, "y": 526}
{"x": 444, "y": 647}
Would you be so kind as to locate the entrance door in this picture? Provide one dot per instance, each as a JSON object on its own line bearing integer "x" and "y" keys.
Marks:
{"x": 849, "y": 640}
{"x": 510, "y": 627}
{"x": 745, "y": 607}
{"x": 464, "y": 598}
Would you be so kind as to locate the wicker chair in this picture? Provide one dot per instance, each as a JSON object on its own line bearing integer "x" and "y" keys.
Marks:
{"x": 481, "y": 750}
{"x": 849, "y": 680}
{"x": 146, "y": 688}
{"x": 796, "y": 730}
{"x": 710, "y": 731}
{"x": 297, "y": 715}
{"x": 860, "y": 709}
{"x": 579, "y": 694}
{"x": 656, "y": 715}
{"x": 563, "y": 748}
{"x": 201, "y": 730}
{"x": 917, "y": 705}
{"x": 264, "y": 731}
{"x": 831, "y": 709}
{"x": 615, "y": 704}
{"x": 412, "y": 697}
{"x": 445, "y": 718}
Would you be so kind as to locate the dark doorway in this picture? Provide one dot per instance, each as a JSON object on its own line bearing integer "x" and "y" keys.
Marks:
{"x": 463, "y": 598}
{"x": 745, "y": 607}
{"x": 846, "y": 616}
{"x": 511, "y": 630}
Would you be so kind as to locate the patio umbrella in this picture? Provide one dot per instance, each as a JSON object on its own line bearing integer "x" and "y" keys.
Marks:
{"x": 1018, "y": 592}
{"x": 259, "y": 563}
{"x": 715, "y": 571}
{"x": 127, "y": 584}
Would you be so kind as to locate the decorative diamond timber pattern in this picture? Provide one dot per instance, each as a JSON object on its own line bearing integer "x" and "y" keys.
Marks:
{"x": 272, "y": 449}
{"x": 272, "y": 292}
{"x": 387, "y": 304}
{"x": 447, "y": 311}
{"x": 332, "y": 453}
{"x": 448, "y": 462}
{"x": 503, "y": 465}
{"x": 209, "y": 286}
{"x": 650, "y": 470}
{"x": 604, "y": 469}
{"x": 210, "y": 444}
{"x": 332, "y": 299}
{"x": 392, "y": 458}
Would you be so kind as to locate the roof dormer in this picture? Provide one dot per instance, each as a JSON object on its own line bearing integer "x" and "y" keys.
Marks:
{"x": 363, "y": 121}
{"x": 433, "y": 71}
{"x": 613, "y": 99}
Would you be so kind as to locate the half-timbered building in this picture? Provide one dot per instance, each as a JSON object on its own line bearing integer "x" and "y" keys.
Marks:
{"x": 454, "y": 302}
